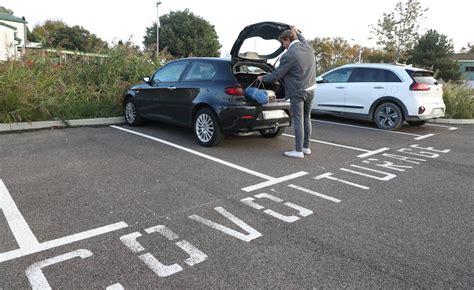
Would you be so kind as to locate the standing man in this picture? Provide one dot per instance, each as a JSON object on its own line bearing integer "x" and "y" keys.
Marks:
{"x": 298, "y": 70}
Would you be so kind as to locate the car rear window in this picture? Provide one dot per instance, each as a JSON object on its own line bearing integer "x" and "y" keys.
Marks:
{"x": 423, "y": 77}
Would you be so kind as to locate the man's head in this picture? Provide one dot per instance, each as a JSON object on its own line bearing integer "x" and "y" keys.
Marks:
{"x": 286, "y": 37}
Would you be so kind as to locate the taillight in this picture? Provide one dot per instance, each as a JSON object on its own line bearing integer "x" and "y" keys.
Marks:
{"x": 419, "y": 87}
{"x": 234, "y": 91}
{"x": 421, "y": 110}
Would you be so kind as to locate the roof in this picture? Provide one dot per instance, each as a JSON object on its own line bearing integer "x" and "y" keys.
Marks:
{"x": 384, "y": 65}
{"x": 7, "y": 25}
{"x": 9, "y": 17}
{"x": 463, "y": 56}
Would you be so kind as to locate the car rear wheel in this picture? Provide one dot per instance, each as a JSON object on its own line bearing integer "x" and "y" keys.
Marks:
{"x": 206, "y": 128}
{"x": 132, "y": 118}
{"x": 272, "y": 133}
{"x": 388, "y": 116}
{"x": 416, "y": 123}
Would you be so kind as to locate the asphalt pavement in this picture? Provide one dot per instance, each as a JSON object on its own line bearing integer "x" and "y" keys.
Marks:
{"x": 119, "y": 207}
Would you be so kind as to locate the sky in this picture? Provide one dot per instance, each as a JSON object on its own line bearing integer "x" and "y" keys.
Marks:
{"x": 122, "y": 20}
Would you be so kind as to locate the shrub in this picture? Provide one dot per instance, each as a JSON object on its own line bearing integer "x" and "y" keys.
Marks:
{"x": 459, "y": 100}
{"x": 45, "y": 87}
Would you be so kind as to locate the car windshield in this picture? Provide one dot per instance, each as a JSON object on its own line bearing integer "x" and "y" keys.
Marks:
{"x": 423, "y": 77}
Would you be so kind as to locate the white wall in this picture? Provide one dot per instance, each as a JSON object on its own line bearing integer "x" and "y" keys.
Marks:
{"x": 8, "y": 45}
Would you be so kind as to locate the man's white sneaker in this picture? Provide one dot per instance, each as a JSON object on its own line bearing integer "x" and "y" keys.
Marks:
{"x": 295, "y": 154}
{"x": 306, "y": 151}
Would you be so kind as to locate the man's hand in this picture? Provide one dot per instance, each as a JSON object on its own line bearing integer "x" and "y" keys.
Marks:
{"x": 260, "y": 78}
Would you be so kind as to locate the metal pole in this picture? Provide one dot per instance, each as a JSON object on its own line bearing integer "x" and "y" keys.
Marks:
{"x": 157, "y": 28}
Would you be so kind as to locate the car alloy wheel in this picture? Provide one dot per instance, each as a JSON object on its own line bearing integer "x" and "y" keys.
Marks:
{"x": 388, "y": 116}
{"x": 131, "y": 115}
{"x": 206, "y": 128}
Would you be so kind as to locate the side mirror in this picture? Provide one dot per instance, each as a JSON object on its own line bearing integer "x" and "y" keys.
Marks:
{"x": 319, "y": 80}
{"x": 146, "y": 80}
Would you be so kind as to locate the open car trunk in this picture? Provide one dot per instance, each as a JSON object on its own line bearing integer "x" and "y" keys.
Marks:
{"x": 246, "y": 74}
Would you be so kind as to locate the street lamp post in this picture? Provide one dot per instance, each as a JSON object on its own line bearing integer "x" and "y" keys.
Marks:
{"x": 157, "y": 28}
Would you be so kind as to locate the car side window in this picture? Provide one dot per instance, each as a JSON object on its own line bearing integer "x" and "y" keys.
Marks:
{"x": 170, "y": 72}
{"x": 200, "y": 71}
{"x": 366, "y": 75}
{"x": 391, "y": 77}
{"x": 338, "y": 76}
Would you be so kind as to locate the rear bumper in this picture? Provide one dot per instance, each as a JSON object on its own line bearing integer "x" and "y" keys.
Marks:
{"x": 250, "y": 118}
{"x": 431, "y": 112}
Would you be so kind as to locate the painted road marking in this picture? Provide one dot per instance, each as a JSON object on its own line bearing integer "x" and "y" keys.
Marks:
{"x": 367, "y": 152}
{"x": 61, "y": 241}
{"x": 375, "y": 129}
{"x": 270, "y": 180}
{"x": 18, "y": 225}
{"x": 450, "y": 128}
{"x": 330, "y": 198}
{"x": 275, "y": 181}
{"x": 35, "y": 274}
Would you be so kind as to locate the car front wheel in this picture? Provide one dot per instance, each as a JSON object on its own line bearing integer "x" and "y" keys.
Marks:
{"x": 271, "y": 133}
{"x": 206, "y": 128}
{"x": 132, "y": 118}
{"x": 388, "y": 116}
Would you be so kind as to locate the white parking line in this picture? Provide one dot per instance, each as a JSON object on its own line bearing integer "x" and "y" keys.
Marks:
{"x": 375, "y": 129}
{"x": 450, "y": 128}
{"x": 315, "y": 193}
{"x": 223, "y": 162}
{"x": 367, "y": 152}
{"x": 18, "y": 225}
{"x": 61, "y": 241}
{"x": 270, "y": 180}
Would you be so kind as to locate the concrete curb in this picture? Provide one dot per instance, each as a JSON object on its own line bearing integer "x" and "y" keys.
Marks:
{"x": 452, "y": 121}
{"x": 12, "y": 127}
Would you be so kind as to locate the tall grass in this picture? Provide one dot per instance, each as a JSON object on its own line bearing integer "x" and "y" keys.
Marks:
{"x": 40, "y": 88}
{"x": 459, "y": 100}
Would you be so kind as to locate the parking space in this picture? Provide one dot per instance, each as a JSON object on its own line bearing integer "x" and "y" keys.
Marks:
{"x": 120, "y": 207}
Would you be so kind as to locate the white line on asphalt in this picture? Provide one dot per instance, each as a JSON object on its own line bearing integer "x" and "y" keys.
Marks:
{"x": 373, "y": 152}
{"x": 367, "y": 152}
{"x": 275, "y": 181}
{"x": 375, "y": 129}
{"x": 315, "y": 193}
{"x": 61, "y": 241}
{"x": 223, "y": 162}
{"x": 424, "y": 136}
{"x": 443, "y": 126}
{"x": 18, "y": 225}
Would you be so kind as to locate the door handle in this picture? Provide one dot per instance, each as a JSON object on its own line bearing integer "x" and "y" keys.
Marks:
{"x": 340, "y": 87}
{"x": 379, "y": 88}
{"x": 171, "y": 88}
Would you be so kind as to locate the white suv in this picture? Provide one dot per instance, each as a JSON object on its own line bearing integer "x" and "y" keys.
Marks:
{"x": 385, "y": 93}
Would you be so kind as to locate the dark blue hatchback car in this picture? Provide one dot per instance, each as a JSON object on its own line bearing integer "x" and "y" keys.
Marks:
{"x": 207, "y": 94}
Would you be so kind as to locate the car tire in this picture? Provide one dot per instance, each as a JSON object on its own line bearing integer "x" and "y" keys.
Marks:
{"x": 206, "y": 128}
{"x": 132, "y": 117}
{"x": 416, "y": 123}
{"x": 388, "y": 116}
{"x": 272, "y": 133}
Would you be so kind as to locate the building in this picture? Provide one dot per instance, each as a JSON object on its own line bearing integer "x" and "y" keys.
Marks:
{"x": 466, "y": 65}
{"x": 12, "y": 36}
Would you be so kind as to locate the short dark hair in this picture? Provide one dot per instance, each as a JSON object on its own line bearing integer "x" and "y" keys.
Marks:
{"x": 289, "y": 35}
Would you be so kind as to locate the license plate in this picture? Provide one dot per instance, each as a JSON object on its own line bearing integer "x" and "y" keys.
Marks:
{"x": 275, "y": 114}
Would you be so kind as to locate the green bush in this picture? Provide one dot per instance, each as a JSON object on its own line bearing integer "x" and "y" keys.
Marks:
{"x": 459, "y": 100}
{"x": 45, "y": 87}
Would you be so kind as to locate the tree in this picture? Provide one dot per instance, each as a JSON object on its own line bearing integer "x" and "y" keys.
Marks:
{"x": 184, "y": 34}
{"x": 57, "y": 34}
{"x": 468, "y": 49}
{"x": 433, "y": 51}
{"x": 330, "y": 53}
{"x": 5, "y": 10}
{"x": 397, "y": 31}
